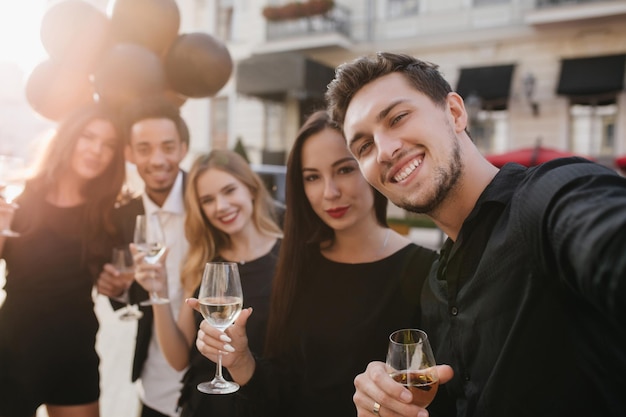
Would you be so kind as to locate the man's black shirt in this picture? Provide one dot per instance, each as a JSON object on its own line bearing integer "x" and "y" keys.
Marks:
{"x": 528, "y": 305}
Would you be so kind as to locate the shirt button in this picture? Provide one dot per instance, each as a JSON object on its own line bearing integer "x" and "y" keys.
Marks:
{"x": 454, "y": 311}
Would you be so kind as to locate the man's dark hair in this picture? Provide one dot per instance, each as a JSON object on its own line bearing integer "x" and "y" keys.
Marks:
{"x": 351, "y": 77}
{"x": 156, "y": 107}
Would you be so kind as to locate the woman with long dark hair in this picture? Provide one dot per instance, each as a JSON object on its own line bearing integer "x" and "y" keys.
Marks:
{"x": 344, "y": 282}
{"x": 47, "y": 322}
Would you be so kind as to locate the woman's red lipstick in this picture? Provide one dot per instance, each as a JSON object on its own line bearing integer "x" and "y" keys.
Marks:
{"x": 337, "y": 212}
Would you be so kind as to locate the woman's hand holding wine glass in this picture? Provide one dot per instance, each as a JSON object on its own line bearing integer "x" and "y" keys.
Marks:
{"x": 220, "y": 302}
{"x": 123, "y": 262}
{"x": 12, "y": 182}
{"x": 233, "y": 346}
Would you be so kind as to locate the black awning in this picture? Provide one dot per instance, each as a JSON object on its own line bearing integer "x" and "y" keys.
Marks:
{"x": 276, "y": 76}
{"x": 491, "y": 84}
{"x": 584, "y": 79}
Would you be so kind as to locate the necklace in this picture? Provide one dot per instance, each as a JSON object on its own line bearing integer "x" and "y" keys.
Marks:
{"x": 386, "y": 239}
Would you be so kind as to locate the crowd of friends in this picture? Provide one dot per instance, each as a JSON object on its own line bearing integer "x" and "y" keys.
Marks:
{"x": 521, "y": 304}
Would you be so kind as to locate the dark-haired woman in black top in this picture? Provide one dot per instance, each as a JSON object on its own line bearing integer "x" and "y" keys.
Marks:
{"x": 344, "y": 282}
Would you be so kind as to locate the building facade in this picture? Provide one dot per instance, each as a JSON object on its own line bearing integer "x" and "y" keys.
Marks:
{"x": 531, "y": 71}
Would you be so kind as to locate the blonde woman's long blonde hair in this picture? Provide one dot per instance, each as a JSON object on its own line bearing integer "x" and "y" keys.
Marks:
{"x": 205, "y": 241}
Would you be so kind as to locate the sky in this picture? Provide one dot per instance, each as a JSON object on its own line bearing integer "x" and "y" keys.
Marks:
{"x": 19, "y": 32}
{"x": 20, "y": 52}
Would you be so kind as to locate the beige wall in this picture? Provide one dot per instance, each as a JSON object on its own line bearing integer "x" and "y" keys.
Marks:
{"x": 453, "y": 34}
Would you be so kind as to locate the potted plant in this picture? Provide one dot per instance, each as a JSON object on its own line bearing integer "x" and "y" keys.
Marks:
{"x": 297, "y": 9}
{"x": 292, "y": 10}
{"x": 272, "y": 13}
{"x": 317, "y": 7}
{"x": 404, "y": 224}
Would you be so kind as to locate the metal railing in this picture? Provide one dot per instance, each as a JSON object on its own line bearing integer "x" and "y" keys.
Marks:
{"x": 552, "y": 3}
{"x": 337, "y": 20}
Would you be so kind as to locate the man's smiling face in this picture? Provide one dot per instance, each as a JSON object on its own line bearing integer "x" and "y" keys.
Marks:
{"x": 406, "y": 145}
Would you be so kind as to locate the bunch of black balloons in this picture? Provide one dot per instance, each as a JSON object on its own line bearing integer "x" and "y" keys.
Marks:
{"x": 132, "y": 51}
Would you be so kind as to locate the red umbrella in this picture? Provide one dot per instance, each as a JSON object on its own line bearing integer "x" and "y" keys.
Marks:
{"x": 528, "y": 156}
{"x": 621, "y": 162}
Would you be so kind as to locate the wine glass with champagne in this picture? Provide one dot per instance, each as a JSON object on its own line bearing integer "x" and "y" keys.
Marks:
{"x": 12, "y": 183}
{"x": 122, "y": 260}
{"x": 410, "y": 361}
{"x": 149, "y": 240}
{"x": 221, "y": 300}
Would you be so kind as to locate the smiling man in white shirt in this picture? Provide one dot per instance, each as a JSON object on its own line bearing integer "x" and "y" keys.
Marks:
{"x": 158, "y": 140}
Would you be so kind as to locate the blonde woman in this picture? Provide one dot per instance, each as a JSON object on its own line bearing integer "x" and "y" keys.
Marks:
{"x": 230, "y": 217}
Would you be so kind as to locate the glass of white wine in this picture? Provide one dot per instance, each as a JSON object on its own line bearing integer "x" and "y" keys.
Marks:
{"x": 12, "y": 183}
{"x": 122, "y": 260}
{"x": 149, "y": 239}
{"x": 221, "y": 300}
{"x": 410, "y": 361}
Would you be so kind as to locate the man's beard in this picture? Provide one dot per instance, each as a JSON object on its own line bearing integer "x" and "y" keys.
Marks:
{"x": 446, "y": 178}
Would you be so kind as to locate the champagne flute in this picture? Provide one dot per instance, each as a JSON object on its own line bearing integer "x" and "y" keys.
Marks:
{"x": 149, "y": 239}
{"x": 12, "y": 183}
{"x": 221, "y": 300}
{"x": 410, "y": 361}
{"x": 122, "y": 260}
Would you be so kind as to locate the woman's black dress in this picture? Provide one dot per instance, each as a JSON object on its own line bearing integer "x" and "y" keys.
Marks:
{"x": 256, "y": 282}
{"x": 47, "y": 323}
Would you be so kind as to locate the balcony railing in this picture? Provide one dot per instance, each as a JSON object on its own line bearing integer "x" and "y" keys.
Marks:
{"x": 337, "y": 20}
{"x": 551, "y": 3}
{"x": 548, "y": 12}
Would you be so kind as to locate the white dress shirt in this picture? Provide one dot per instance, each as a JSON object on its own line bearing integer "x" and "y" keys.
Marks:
{"x": 159, "y": 385}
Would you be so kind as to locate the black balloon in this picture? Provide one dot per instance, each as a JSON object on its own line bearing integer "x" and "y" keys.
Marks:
{"x": 76, "y": 32}
{"x": 153, "y": 24}
{"x": 127, "y": 72}
{"x": 174, "y": 97}
{"x": 53, "y": 89}
{"x": 198, "y": 65}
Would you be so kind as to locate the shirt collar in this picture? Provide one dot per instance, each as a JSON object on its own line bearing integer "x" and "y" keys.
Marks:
{"x": 173, "y": 203}
{"x": 501, "y": 188}
{"x": 499, "y": 192}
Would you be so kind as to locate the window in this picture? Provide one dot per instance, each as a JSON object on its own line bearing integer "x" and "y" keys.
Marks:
{"x": 224, "y": 28}
{"x": 592, "y": 76}
{"x": 489, "y": 130}
{"x": 275, "y": 116}
{"x": 592, "y": 129}
{"x": 402, "y": 8}
{"x": 219, "y": 122}
{"x": 592, "y": 84}
{"x": 488, "y": 2}
{"x": 491, "y": 84}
